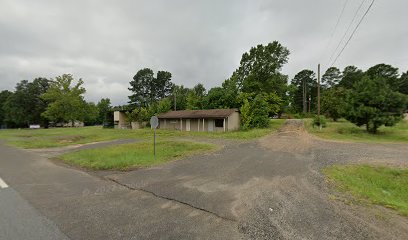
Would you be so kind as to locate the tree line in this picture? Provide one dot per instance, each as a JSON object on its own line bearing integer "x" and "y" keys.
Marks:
{"x": 257, "y": 87}
{"x": 50, "y": 101}
{"x": 371, "y": 98}
{"x": 260, "y": 90}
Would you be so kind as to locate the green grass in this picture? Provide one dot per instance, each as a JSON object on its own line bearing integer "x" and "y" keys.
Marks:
{"x": 379, "y": 185}
{"x": 121, "y": 157}
{"x": 346, "y": 131}
{"x": 59, "y": 137}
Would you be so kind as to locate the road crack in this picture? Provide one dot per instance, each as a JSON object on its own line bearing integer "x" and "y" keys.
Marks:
{"x": 173, "y": 200}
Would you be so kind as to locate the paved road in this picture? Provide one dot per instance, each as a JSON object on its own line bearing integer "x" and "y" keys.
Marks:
{"x": 87, "y": 207}
{"x": 268, "y": 189}
{"x": 20, "y": 221}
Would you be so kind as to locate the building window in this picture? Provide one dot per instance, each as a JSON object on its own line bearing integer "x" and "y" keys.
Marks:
{"x": 219, "y": 123}
{"x": 173, "y": 121}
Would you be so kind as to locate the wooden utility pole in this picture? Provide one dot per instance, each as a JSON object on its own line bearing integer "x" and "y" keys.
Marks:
{"x": 175, "y": 102}
{"x": 318, "y": 90}
{"x": 304, "y": 97}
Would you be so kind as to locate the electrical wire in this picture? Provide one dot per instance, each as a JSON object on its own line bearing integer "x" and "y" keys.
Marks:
{"x": 347, "y": 30}
{"x": 337, "y": 23}
{"x": 354, "y": 31}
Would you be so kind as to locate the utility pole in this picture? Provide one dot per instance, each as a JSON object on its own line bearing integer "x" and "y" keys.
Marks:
{"x": 318, "y": 90}
{"x": 175, "y": 102}
{"x": 304, "y": 96}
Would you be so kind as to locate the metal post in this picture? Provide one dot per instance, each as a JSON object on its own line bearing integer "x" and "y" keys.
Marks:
{"x": 154, "y": 145}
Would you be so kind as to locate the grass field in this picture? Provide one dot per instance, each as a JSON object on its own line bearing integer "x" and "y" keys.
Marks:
{"x": 58, "y": 137}
{"x": 346, "y": 131}
{"x": 121, "y": 157}
{"x": 379, "y": 185}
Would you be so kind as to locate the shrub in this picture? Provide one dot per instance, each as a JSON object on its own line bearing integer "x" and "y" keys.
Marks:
{"x": 319, "y": 121}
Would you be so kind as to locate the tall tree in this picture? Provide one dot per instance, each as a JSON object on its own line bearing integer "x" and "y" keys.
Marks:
{"x": 388, "y": 72}
{"x": 163, "y": 85}
{"x": 231, "y": 93}
{"x": 4, "y": 95}
{"x": 179, "y": 97}
{"x": 403, "y": 83}
{"x": 331, "y": 77}
{"x": 66, "y": 100}
{"x": 196, "y": 97}
{"x": 373, "y": 103}
{"x": 104, "y": 107}
{"x": 259, "y": 70}
{"x": 305, "y": 83}
{"x": 351, "y": 75}
{"x": 25, "y": 106}
{"x": 216, "y": 98}
{"x": 333, "y": 102}
{"x": 148, "y": 89}
{"x": 91, "y": 114}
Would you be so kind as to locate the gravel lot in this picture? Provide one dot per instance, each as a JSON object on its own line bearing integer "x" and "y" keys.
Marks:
{"x": 273, "y": 188}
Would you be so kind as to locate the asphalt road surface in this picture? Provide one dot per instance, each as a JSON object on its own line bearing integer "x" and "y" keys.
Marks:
{"x": 266, "y": 189}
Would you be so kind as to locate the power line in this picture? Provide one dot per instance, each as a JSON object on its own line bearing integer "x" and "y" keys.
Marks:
{"x": 347, "y": 30}
{"x": 337, "y": 23}
{"x": 352, "y": 34}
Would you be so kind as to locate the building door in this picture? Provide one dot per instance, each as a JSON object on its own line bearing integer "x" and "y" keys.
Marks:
{"x": 188, "y": 125}
{"x": 210, "y": 125}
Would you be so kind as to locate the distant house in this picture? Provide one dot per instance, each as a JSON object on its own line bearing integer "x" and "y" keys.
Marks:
{"x": 219, "y": 120}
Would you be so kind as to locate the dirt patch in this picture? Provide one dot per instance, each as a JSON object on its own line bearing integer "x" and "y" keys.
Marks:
{"x": 291, "y": 137}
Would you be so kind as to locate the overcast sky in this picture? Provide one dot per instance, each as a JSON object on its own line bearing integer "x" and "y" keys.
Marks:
{"x": 107, "y": 42}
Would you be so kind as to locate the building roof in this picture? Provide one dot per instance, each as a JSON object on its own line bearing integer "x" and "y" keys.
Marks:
{"x": 210, "y": 113}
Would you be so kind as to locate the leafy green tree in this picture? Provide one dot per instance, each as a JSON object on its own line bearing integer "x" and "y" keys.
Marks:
{"x": 333, "y": 102}
{"x": 164, "y": 105}
{"x": 403, "y": 83}
{"x": 306, "y": 88}
{"x": 148, "y": 89}
{"x": 246, "y": 115}
{"x": 104, "y": 107}
{"x": 196, "y": 97}
{"x": 231, "y": 93}
{"x": 25, "y": 106}
{"x": 387, "y": 72}
{"x": 331, "y": 77}
{"x": 260, "y": 112}
{"x": 91, "y": 114}
{"x": 179, "y": 93}
{"x": 4, "y": 95}
{"x": 351, "y": 75}
{"x": 215, "y": 98}
{"x": 139, "y": 115}
{"x": 160, "y": 107}
{"x": 66, "y": 100}
{"x": 255, "y": 111}
{"x": 373, "y": 103}
{"x": 259, "y": 70}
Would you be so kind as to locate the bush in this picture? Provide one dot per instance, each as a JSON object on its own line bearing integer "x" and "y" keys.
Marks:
{"x": 319, "y": 121}
{"x": 255, "y": 113}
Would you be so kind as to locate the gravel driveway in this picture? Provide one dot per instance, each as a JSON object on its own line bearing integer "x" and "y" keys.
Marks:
{"x": 273, "y": 188}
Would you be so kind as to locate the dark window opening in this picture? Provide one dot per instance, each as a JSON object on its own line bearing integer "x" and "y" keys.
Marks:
{"x": 219, "y": 123}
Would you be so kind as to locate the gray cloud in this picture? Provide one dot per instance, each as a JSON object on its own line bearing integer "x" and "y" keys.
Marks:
{"x": 106, "y": 42}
